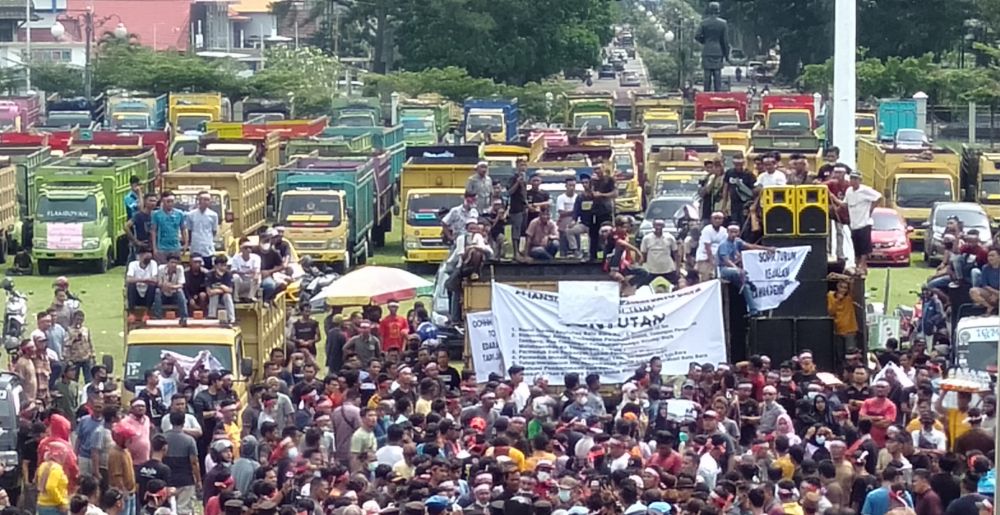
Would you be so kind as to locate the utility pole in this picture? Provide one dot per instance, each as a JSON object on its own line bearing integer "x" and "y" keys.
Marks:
{"x": 88, "y": 24}
{"x": 844, "y": 77}
{"x": 27, "y": 44}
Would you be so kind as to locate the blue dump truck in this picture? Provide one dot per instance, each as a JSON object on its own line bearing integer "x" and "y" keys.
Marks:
{"x": 490, "y": 120}
{"x": 137, "y": 113}
{"x": 894, "y": 115}
{"x": 67, "y": 113}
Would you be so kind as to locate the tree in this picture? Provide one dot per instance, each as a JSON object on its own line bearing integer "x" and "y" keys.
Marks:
{"x": 910, "y": 29}
{"x": 132, "y": 67}
{"x": 57, "y": 78}
{"x": 305, "y": 75}
{"x": 512, "y": 41}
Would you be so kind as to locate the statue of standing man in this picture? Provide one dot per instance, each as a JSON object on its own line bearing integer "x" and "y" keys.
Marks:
{"x": 715, "y": 46}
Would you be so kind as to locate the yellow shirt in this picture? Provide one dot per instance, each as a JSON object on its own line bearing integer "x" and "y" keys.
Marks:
{"x": 537, "y": 456}
{"x": 515, "y": 456}
{"x": 915, "y": 425}
{"x": 956, "y": 426}
{"x": 786, "y": 466}
{"x": 845, "y": 322}
{"x": 233, "y": 431}
{"x": 55, "y": 491}
{"x": 423, "y": 407}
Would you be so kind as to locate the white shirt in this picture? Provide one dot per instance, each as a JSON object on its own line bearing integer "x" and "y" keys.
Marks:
{"x": 708, "y": 470}
{"x": 621, "y": 462}
{"x": 659, "y": 252}
{"x": 389, "y": 455}
{"x": 249, "y": 266}
{"x": 521, "y": 395}
{"x": 713, "y": 236}
{"x": 933, "y": 436}
{"x": 859, "y": 205}
{"x": 565, "y": 202}
{"x": 776, "y": 178}
{"x": 136, "y": 271}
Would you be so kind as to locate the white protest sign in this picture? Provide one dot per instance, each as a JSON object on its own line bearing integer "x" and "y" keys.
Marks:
{"x": 486, "y": 358}
{"x": 773, "y": 274}
{"x": 679, "y": 327}
{"x": 588, "y": 302}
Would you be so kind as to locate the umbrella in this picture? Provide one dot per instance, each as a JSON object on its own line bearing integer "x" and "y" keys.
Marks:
{"x": 374, "y": 285}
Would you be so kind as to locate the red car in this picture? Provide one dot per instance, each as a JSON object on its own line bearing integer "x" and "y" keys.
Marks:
{"x": 890, "y": 241}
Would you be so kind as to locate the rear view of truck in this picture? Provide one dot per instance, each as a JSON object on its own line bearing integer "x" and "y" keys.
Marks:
{"x": 189, "y": 112}
{"x": 137, "y": 113}
{"x": 491, "y": 120}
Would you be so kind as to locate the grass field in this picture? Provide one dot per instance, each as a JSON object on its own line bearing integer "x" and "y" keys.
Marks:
{"x": 103, "y": 300}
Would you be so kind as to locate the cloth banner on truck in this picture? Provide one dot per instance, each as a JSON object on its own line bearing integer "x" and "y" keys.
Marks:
{"x": 588, "y": 302}
{"x": 486, "y": 357}
{"x": 679, "y": 327}
{"x": 773, "y": 274}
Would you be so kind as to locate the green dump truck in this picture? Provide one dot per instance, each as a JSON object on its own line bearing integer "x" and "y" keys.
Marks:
{"x": 79, "y": 210}
{"x": 425, "y": 120}
{"x": 328, "y": 207}
{"x": 357, "y": 112}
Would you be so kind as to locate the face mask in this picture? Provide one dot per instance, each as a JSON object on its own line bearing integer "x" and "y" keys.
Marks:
{"x": 544, "y": 476}
{"x": 820, "y": 440}
{"x": 785, "y": 379}
{"x": 317, "y": 474}
{"x": 293, "y": 453}
{"x": 581, "y": 400}
{"x": 265, "y": 246}
{"x": 372, "y": 466}
{"x": 564, "y": 495}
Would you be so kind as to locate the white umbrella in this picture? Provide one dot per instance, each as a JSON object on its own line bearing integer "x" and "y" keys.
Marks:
{"x": 372, "y": 285}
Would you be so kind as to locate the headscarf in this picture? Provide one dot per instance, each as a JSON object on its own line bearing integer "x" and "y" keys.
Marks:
{"x": 57, "y": 441}
{"x": 793, "y": 439}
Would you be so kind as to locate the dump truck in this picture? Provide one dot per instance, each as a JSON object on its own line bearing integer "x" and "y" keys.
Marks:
{"x": 79, "y": 112}
{"x": 490, "y": 120}
{"x": 241, "y": 347}
{"x": 590, "y": 110}
{"x": 433, "y": 180}
{"x": 20, "y": 113}
{"x": 156, "y": 141}
{"x": 724, "y": 133}
{"x": 674, "y": 160}
{"x": 786, "y": 143}
{"x": 425, "y": 119}
{"x": 234, "y": 135}
{"x": 894, "y": 115}
{"x": 189, "y": 112}
{"x": 238, "y": 192}
{"x": 137, "y": 113}
{"x": 384, "y": 139}
{"x": 9, "y": 214}
{"x": 357, "y": 112}
{"x": 988, "y": 187}
{"x": 258, "y": 110}
{"x": 910, "y": 181}
{"x": 655, "y": 109}
{"x": 721, "y": 107}
{"x": 79, "y": 210}
{"x": 328, "y": 206}
{"x": 627, "y": 157}
{"x": 789, "y": 112}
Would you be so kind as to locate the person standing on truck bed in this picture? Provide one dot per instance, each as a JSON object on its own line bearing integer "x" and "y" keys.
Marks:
{"x": 202, "y": 224}
{"x": 605, "y": 193}
{"x": 861, "y": 201}
{"x": 454, "y": 223}
{"x": 517, "y": 193}
{"x": 133, "y": 197}
{"x": 482, "y": 185}
{"x": 139, "y": 225}
{"x": 537, "y": 200}
{"x": 167, "y": 231}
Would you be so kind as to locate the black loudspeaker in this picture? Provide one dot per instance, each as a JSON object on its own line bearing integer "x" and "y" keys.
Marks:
{"x": 808, "y": 300}
{"x": 778, "y": 206}
{"x": 814, "y": 267}
{"x": 773, "y": 337}
{"x": 812, "y": 210}
{"x": 782, "y": 338}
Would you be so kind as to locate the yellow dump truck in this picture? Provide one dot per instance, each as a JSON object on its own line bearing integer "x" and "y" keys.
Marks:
{"x": 238, "y": 191}
{"x": 9, "y": 216}
{"x": 647, "y": 107}
{"x": 433, "y": 180}
{"x": 241, "y": 347}
{"x": 988, "y": 189}
{"x": 673, "y": 160}
{"x": 910, "y": 180}
{"x": 191, "y": 111}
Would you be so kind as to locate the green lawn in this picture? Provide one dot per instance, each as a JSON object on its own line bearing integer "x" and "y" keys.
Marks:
{"x": 902, "y": 281}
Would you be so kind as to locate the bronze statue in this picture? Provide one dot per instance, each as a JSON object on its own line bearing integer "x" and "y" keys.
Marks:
{"x": 715, "y": 46}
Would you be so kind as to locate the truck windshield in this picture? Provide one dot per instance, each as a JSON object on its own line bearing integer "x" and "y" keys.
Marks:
{"x": 991, "y": 187}
{"x": 422, "y": 208}
{"x": 310, "y": 211}
{"x": 189, "y": 201}
{"x": 789, "y": 121}
{"x": 67, "y": 210}
{"x": 356, "y": 120}
{"x": 592, "y": 121}
{"x": 484, "y": 123}
{"x": 192, "y": 122}
{"x": 664, "y": 127}
{"x": 666, "y": 208}
{"x": 131, "y": 122}
{"x": 417, "y": 125}
{"x": 140, "y": 358}
{"x": 624, "y": 167}
{"x": 863, "y": 122}
{"x": 677, "y": 187}
{"x": 977, "y": 347}
{"x": 67, "y": 120}
{"x": 968, "y": 217}
{"x": 922, "y": 192}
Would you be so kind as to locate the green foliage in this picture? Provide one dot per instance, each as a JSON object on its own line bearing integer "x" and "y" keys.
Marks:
{"x": 305, "y": 75}
{"x": 57, "y": 78}
{"x": 662, "y": 68}
{"x": 512, "y": 41}
{"x": 132, "y": 67}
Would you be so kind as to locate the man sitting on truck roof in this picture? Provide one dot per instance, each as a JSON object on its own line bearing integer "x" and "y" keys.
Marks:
{"x": 220, "y": 289}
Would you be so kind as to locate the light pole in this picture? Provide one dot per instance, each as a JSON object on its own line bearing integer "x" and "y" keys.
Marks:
{"x": 844, "y": 75}
{"x": 27, "y": 45}
{"x": 670, "y": 37}
{"x": 58, "y": 30}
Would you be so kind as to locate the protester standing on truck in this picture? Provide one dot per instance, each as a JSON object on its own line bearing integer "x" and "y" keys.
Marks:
{"x": 482, "y": 185}
{"x": 605, "y": 191}
{"x": 202, "y": 224}
{"x": 458, "y": 217}
{"x": 861, "y": 201}
{"x": 133, "y": 197}
{"x": 517, "y": 193}
{"x": 167, "y": 230}
{"x": 138, "y": 227}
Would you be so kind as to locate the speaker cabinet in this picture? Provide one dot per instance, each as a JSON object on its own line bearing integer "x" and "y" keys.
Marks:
{"x": 778, "y": 207}
{"x": 812, "y": 210}
{"x": 782, "y": 338}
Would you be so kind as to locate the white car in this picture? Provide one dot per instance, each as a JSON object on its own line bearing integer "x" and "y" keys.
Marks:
{"x": 668, "y": 209}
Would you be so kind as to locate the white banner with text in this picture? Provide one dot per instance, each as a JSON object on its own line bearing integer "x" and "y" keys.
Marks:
{"x": 773, "y": 274}
{"x": 486, "y": 357}
{"x": 679, "y": 327}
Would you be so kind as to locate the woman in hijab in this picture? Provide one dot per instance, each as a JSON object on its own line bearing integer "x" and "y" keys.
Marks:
{"x": 784, "y": 427}
{"x": 52, "y": 484}
{"x": 57, "y": 438}
{"x": 818, "y": 413}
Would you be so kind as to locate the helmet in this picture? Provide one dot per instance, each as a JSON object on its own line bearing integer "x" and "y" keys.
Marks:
{"x": 7, "y": 284}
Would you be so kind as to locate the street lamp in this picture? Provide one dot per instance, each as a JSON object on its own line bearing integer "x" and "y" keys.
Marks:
{"x": 669, "y": 36}
{"x": 58, "y": 30}
{"x": 549, "y": 99}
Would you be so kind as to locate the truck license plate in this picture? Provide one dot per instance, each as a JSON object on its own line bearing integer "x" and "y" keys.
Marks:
{"x": 64, "y": 255}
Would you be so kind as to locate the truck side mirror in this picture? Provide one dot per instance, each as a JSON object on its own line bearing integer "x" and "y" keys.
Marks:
{"x": 104, "y": 211}
{"x": 229, "y": 217}
{"x": 130, "y": 384}
{"x": 109, "y": 363}
{"x": 246, "y": 367}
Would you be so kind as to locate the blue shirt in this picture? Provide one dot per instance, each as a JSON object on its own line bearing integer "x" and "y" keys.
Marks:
{"x": 877, "y": 502}
{"x": 989, "y": 277}
{"x": 131, "y": 204}
{"x": 730, "y": 249}
{"x": 168, "y": 229}
{"x": 56, "y": 337}
{"x": 84, "y": 432}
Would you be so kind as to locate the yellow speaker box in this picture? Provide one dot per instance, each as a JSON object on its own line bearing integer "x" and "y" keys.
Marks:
{"x": 812, "y": 210}
{"x": 778, "y": 207}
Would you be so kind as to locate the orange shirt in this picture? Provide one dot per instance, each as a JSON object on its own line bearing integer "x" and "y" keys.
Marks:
{"x": 392, "y": 331}
{"x": 845, "y": 322}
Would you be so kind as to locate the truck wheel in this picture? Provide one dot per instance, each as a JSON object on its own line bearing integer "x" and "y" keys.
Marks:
{"x": 43, "y": 267}
{"x": 4, "y": 245}
{"x": 106, "y": 262}
{"x": 378, "y": 235}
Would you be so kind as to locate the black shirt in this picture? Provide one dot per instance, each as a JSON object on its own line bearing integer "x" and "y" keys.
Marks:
{"x": 140, "y": 226}
{"x": 743, "y": 176}
{"x": 194, "y": 282}
{"x": 946, "y": 486}
{"x": 145, "y": 472}
{"x": 535, "y": 197}
{"x": 306, "y": 330}
{"x": 964, "y": 505}
{"x": 203, "y": 402}
{"x": 517, "y": 192}
{"x": 584, "y": 208}
{"x": 283, "y": 247}
{"x": 270, "y": 259}
{"x": 226, "y": 279}
{"x": 604, "y": 206}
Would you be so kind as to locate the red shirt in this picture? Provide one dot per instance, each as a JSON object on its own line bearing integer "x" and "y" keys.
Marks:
{"x": 392, "y": 331}
{"x": 884, "y": 408}
{"x": 759, "y": 382}
{"x": 838, "y": 189}
{"x": 976, "y": 250}
{"x": 671, "y": 463}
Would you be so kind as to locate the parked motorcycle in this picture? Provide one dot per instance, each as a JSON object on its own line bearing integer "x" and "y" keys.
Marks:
{"x": 15, "y": 312}
{"x": 313, "y": 281}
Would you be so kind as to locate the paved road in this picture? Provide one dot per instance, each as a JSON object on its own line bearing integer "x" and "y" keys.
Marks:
{"x": 632, "y": 65}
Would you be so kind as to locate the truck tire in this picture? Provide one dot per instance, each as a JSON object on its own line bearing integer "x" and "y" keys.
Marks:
{"x": 378, "y": 235}
{"x": 43, "y": 267}
{"x": 344, "y": 266}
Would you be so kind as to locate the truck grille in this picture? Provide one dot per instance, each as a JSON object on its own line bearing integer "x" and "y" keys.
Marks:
{"x": 433, "y": 243}
{"x": 310, "y": 245}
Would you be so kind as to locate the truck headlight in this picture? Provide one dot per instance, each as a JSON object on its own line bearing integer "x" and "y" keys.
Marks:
{"x": 337, "y": 243}
{"x": 411, "y": 243}
{"x": 91, "y": 243}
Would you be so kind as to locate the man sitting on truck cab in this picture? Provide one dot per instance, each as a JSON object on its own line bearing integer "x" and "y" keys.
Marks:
{"x": 141, "y": 280}
{"x": 171, "y": 287}
{"x": 194, "y": 284}
{"x": 799, "y": 172}
{"x": 246, "y": 270}
{"x": 220, "y": 289}
{"x": 273, "y": 265}
{"x": 454, "y": 223}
